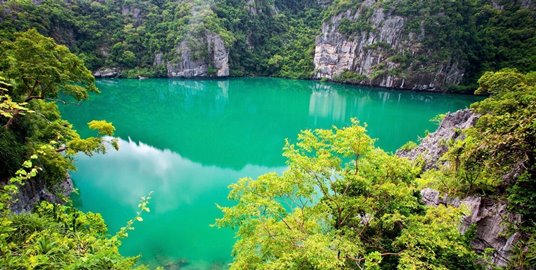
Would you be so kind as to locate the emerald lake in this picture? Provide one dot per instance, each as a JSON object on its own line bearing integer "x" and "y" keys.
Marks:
{"x": 187, "y": 140}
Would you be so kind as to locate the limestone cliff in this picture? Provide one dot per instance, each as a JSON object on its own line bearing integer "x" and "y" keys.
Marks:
{"x": 211, "y": 58}
{"x": 490, "y": 218}
{"x": 374, "y": 46}
{"x": 433, "y": 146}
{"x": 489, "y": 215}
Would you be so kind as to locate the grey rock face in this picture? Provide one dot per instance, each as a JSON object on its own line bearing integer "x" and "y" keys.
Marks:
{"x": 324, "y": 3}
{"x": 106, "y": 73}
{"x": 370, "y": 52}
{"x": 220, "y": 54}
{"x": 489, "y": 218}
{"x": 434, "y": 145}
{"x": 158, "y": 59}
{"x": 35, "y": 191}
{"x": 135, "y": 13}
{"x": 188, "y": 66}
{"x": 256, "y": 7}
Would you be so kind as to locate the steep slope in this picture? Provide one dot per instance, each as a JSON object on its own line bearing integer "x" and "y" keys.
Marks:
{"x": 485, "y": 158}
{"x": 489, "y": 216}
{"x": 373, "y": 44}
{"x": 421, "y": 45}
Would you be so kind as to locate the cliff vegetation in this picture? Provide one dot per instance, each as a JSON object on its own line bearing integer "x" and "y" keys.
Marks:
{"x": 423, "y": 45}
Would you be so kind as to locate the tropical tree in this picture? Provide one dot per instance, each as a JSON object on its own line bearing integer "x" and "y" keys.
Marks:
{"x": 37, "y": 71}
{"x": 57, "y": 236}
{"x": 342, "y": 204}
{"x": 42, "y": 69}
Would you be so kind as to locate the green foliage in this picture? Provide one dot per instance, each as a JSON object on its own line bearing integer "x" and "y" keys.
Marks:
{"x": 52, "y": 236}
{"x": 524, "y": 251}
{"x": 103, "y": 127}
{"x": 506, "y": 134}
{"x": 276, "y": 38}
{"x": 433, "y": 241}
{"x": 348, "y": 28}
{"x": 128, "y": 59}
{"x": 348, "y": 76}
{"x": 342, "y": 203}
{"x": 339, "y": 6}
{"x": 438, "y": 118}
{"x": 498, "y": 83}
{"x": 497, "y": 155}
{"x": 42, "y": 69}
{"x": 409, "y": 146}
{"x": 505, "y": 37}
{"x": 143, "y": 207}
{"x": 498, "y": 152}
{"x": 57, "y": 236}
{"x": 271, "y": 43}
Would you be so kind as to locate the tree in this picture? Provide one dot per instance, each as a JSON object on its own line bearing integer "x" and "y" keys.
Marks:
{"x": 342, "y": 204}
{"x": 52, "y": 236}
{"x": 128, "y": 58}
{"x": 37, "y": 71}
{"x": 42, "y": 69}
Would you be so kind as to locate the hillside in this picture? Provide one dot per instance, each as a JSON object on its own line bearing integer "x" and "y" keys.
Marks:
{"x": 422, "y": 45}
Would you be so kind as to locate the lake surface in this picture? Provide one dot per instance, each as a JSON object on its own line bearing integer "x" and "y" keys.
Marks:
{"x": 187, "y": 140}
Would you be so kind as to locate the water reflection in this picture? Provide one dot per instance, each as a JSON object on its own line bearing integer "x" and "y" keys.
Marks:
{"x": 183, "y": 204}
{"x": 325, "y": 102}
{"x": 207, "y": 121}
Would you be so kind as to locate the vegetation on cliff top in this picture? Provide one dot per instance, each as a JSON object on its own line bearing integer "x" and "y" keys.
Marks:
{"x": 270, "y": 38}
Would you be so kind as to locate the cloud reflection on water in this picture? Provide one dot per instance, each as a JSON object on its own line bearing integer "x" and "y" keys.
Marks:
{"x": 182, "y": 207}
{"x": 138, "y": 168}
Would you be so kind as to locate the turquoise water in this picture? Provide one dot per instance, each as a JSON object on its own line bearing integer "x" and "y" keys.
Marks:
{"x": 187, "y": 140}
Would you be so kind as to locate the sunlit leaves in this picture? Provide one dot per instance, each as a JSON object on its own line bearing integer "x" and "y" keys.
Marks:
{"x": 433, "y": 241}
{"x": 342, "y": 203}
{"x": 103, "y": 127}
{"x": 496, "y": 83}
{"x": 143, "y": 207}
{"x": 8, "y": 107}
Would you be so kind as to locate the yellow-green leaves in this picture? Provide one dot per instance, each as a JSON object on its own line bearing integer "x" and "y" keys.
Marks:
{"x": 103, "y": 127}
{"x": 496, "y": 83}
{"x": 92, "y": 145}
{"x": 143, "y": 207}
{"x": 430, "y": 241}
{"x": 341, "y": 204}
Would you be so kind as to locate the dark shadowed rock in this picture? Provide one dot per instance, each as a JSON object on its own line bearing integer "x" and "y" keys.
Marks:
{"x": 35, "y": 191}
